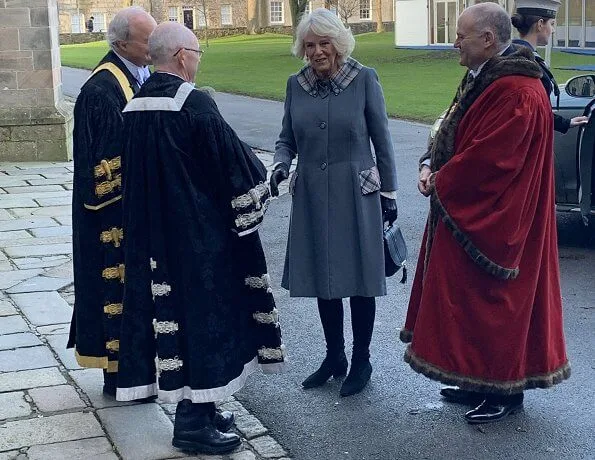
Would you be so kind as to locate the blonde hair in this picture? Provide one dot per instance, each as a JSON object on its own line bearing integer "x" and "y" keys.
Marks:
{"x": 324, "y": 24}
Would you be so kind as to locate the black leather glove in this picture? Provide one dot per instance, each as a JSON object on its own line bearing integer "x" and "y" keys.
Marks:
{"x": 280, "y": 174}
{"x": 389, "y": 209}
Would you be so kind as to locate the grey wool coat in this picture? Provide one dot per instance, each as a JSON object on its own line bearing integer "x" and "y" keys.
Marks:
{"x": 335, "y": 246}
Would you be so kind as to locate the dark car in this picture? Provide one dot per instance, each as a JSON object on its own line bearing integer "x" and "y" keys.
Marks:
{"x": 573, "y": 151}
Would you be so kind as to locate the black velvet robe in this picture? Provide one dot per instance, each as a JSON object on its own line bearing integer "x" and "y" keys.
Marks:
{"x": 199, "y": 315}
{"x": 98, "y": 256}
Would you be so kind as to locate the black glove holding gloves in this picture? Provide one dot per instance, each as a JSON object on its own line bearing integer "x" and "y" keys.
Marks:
{"x": 389, "y": 209}
{"x": 280, "y": 173}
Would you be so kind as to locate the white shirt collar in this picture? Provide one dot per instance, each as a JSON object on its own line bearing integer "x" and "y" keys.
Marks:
{"x": 475, "y": 73}
{"x": 139, "y": 73}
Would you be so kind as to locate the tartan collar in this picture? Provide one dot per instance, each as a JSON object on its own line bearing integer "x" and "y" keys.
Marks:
{"x": 337, "y": 83}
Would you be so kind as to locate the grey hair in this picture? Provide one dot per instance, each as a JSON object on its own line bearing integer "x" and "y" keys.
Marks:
{"x": 491, "y": 16}
{"x": 167, "y": 39}
{"x": 119, "y": 27}
{"x": 324, "y": 23}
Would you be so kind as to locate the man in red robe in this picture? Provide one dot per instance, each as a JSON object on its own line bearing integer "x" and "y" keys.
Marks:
{"x": 485, "y": 312}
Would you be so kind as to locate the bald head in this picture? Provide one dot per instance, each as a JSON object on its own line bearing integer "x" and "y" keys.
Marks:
{"x": 492, "y": 17}
{"x": 128, "y": 34}
{"x": 174, "y": 48}
{"x": 167, "y": 39}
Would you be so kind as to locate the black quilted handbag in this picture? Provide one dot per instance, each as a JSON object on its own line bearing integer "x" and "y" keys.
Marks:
{"x": 395, "y": 252}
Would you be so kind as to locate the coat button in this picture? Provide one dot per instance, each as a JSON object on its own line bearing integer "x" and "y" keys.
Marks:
{"x": 322, "y": 125}
{"x": 323, "y": 166}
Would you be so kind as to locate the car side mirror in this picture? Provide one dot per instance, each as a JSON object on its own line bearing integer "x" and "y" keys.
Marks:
{"x": 581, "y": 86}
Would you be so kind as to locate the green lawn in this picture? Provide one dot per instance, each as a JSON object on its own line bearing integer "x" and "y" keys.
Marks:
{"x": 418, "y": 85}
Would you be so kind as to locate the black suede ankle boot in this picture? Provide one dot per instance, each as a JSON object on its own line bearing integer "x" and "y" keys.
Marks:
{"x": 358, "y": 377}
{"x": 331, "y": 367}
{"x": 195, "y": 431}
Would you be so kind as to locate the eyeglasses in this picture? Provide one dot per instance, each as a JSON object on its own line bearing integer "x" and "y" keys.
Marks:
{"x": 189, "y": 49}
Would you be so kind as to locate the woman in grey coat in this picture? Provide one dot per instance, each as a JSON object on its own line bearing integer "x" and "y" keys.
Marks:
{"x": 341, "y": 194}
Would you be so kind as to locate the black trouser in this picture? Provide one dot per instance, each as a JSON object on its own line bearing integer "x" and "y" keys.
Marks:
{"x": 191, "y": 416}
{"x": 363, "y": 312}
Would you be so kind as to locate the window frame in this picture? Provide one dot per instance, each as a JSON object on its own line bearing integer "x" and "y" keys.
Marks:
{"x": 282, "y": 12}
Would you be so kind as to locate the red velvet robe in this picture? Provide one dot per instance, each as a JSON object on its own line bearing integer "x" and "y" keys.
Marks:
{"x": 495, "y": 329}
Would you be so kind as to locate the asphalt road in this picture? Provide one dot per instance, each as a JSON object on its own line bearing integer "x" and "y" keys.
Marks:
{"x": 400, "y": 414}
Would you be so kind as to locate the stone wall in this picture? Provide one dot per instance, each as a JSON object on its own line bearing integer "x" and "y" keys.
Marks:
{"x": 34, "y": 121}
{"x": 74, "y": 39}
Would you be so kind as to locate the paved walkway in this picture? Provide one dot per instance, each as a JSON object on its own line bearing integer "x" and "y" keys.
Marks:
{"x": 50, "y": 408}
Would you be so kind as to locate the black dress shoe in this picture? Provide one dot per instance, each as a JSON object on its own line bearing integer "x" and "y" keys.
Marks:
{"x": 458, "y": 396}
{"x": 358, "y": 378}
{"x": 206, "y": 440}
{"x": 223, "y": 420}
{"x": 330, "y": 367}
{"x": 494, "y": 409}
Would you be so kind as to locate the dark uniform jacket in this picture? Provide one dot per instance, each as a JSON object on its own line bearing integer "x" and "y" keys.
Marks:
{"x": 561, "y": 124}
{"x": 97, "y": 216}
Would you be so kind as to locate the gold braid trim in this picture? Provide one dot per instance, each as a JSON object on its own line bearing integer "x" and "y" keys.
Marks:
{"x": 114, "y": 235}
{"x": 112, "y": 273}
{"x": 98, "y": 362}
{"x": 113, "y": 309}
{"x": 104, "y": 188}
{"x": 107, "y": 167}
{"x": 112, "y": 345}
{"x": 102, "y": 205}
{"x": 91, "y": 361}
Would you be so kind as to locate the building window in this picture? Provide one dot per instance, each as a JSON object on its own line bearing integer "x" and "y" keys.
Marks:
{"x": 172, "y": 14}
{"x": 98, "y": 22}
{"x": 226, "y": 15}
{"x": 201, "y": 17}
{"x": 364, "y": 9}
{"x": 77, "y": 23}
{"x": 276, "y": 12}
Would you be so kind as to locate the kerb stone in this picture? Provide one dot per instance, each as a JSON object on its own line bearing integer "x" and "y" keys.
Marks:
{"x": 26, "y": 358}
{"x": 66, "y": 355}
{"x": 43, "y": 308}
{"x": 40, "y": 284}
{"x": 11, "y": 381}
{"x": 94, "y": 448}
{"x": 20, "y": 340}
{"x": 13, "y": 405}
{"x": 250, "y": 426}
{"x": 10, "y": 279}
{"x": 13, "y": 324}
{"x": 56, "y": 428}
{"x": 140, "y": 432}
{"x": 52, "y": 399}
{"x": 39, "y": 250}
{"x": 267, "y": 447}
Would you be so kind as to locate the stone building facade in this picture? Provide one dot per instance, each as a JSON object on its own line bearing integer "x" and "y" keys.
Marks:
{"x": 254, "y": 15}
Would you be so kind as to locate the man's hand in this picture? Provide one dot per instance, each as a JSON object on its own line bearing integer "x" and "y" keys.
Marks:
{"x": 578, "y": 121}
{"x": 424, "y": 180}
{"x": 389, "y": 209}
{"x": 280, "y": 174}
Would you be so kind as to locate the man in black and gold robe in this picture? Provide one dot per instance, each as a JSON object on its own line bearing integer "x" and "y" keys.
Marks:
{"x": 96, "y": 205}
{"x": 199, "y": 316}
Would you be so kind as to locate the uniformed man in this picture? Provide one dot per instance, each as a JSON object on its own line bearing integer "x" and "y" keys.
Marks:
{"x": 96, "y": 205}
